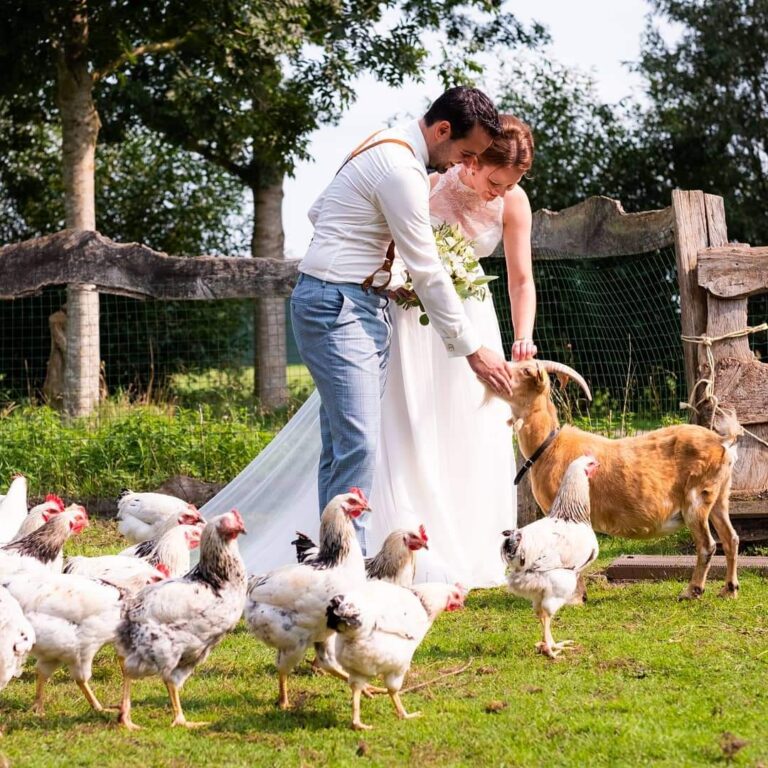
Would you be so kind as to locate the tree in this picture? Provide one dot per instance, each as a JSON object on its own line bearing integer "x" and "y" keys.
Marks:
{"x": 709, "y": 104}
{"x": 584, "y": 146}
{"x": 247, "y": 94}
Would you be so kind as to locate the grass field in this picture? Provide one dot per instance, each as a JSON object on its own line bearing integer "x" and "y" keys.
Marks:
{"x": 652, "y": 681}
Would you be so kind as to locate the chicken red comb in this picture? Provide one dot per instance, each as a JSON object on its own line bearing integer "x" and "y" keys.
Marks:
{"x": 163, "y": 568}
{"x": 423, "y": 534}
{"x": 52, "y": 498}
{"x": 360, "y": 494}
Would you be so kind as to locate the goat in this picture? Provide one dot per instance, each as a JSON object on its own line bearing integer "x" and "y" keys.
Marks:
{"x": 648, "y": 486}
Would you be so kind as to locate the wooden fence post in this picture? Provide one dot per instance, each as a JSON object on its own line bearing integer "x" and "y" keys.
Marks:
{"x": 699, "y": 223}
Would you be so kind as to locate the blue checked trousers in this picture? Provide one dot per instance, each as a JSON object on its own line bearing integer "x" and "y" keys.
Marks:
{"x": 343, "y": 336}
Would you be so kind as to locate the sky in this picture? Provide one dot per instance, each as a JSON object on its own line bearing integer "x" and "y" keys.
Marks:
{"x": 596, "y": 36}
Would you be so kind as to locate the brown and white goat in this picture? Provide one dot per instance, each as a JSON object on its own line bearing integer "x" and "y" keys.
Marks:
{"x": 648, "y": 486}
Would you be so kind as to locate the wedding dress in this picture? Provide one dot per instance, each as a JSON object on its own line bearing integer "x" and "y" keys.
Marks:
{"x": 445, "y": 457}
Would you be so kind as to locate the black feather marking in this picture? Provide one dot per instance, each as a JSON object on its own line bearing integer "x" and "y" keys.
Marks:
{"x": 303, "y": 545}
{"x": 145, "y": 548}
{"x": 45, "y": 543}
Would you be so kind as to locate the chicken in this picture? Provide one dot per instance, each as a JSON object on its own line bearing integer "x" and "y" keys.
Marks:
{"x": 39, "y": 515}
{"x": 143, "y": 516}
{"x": 379, "y": 627}
{"x": 171, "y": 627}
{"x": 73, "y": 617}
{"x": 171, "y": 549}
{"x": 126, "y": 573}
{"x": 394, "y": 562}
{"x": 16, "y": 637}
{"x": 13, "y": 508}
{"x": 544, "y": 559}
{"x": 286, "y": 607}
{"x": 43, "y": 547}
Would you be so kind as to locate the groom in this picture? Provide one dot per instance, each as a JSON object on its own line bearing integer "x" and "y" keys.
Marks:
{"x": 379, "y": 200}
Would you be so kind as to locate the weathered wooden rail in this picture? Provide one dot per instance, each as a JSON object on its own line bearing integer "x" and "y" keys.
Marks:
{"x": 130, "y": 269}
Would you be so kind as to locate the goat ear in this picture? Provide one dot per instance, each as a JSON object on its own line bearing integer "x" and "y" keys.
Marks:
{"x": 563, "y": 379}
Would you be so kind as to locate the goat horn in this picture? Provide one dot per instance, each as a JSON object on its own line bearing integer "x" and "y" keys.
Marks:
{"x": 550, "y": 366}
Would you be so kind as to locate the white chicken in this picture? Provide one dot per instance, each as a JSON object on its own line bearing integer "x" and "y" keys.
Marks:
{"x": 286, "y": 607}
{"x": 43, "y": 547}
{"x": 379, "y": 627}
{"x": 126, "y": 573}
{"x": 39, "y": 515}
{"x": 544, "y": 559}
{"x": 16, "y": 637}
{"x": 73, "y": 617}
{"x": 13, "y": 508}
{"x": 394, "y": 562}
{"x": 171, "y": 549}
{"x": 132, "y": 569}
{"x": 170, "y": 628}
{"x": 142, "y": 516}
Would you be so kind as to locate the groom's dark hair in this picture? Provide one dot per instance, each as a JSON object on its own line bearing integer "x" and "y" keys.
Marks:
{"x": 464, "y": 108}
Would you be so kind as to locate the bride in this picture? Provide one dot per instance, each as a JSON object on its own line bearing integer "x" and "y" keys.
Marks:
{"x": 445, "y": 458}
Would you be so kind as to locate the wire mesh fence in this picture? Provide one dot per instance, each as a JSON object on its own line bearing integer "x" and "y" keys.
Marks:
{"x": 616, "y": 320}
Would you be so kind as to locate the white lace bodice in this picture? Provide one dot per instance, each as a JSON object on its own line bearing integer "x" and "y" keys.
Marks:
{"x": 454, "y": 202}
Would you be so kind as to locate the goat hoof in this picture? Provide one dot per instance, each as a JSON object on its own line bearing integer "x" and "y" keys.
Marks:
{"x": 730, "y": 590}
{"x": 691, "y": 593}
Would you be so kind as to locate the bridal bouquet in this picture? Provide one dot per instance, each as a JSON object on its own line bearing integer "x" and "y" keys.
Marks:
{"x": 459, "y": 260}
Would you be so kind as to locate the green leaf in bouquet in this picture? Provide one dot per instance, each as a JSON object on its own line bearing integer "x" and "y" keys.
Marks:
{"x": 424, "y": 320}
{"x": 485, "y": 279}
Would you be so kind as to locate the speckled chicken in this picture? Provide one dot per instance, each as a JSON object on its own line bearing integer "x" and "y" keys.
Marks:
{"x": 286, "y": 607}
{"x": 43, "y": 547}
{"x": 544, "y": 559}
{"x": 379, "y": 627}
{"x": 171, "y": 627}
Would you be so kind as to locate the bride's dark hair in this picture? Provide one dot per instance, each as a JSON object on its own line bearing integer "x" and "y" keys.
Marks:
{"x": 513, "y": 147}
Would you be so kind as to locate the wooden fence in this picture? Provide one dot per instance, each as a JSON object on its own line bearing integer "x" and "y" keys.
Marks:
{"x": 714, "y": 282}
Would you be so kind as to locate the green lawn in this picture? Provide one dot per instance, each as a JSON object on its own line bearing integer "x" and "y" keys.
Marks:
{"x": 651, "y": 682}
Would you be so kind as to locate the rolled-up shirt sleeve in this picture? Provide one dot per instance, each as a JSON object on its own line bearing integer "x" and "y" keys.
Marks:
{"x": 403, "y": 199}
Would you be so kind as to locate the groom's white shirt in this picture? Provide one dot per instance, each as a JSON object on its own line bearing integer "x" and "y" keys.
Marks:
{"x": 383, "y": 195}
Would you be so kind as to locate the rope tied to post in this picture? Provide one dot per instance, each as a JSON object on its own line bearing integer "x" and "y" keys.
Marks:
{"x": 709, "y": 395}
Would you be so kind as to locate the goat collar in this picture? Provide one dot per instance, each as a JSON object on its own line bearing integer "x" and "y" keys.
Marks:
{"x": 536, "y": 454}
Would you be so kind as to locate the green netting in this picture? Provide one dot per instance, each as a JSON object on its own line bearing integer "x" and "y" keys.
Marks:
{"x": 616, "y": 320}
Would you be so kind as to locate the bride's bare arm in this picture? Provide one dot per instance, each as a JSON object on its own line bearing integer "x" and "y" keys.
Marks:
{"x": 520, "y": 285}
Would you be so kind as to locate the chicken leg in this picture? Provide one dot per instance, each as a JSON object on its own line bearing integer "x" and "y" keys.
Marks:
{"x": 124, "y": 718}
{"x": 400, "y": 709}
{"x": 39, "y": 706}
{"x": 357, "y": 724}
{"x": 89, "y": 695}
{"x": 178, "y": 713}
{"x": 548, "y": 646}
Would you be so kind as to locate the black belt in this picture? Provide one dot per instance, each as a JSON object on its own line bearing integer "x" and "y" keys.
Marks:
{"x": 536, "y": 454}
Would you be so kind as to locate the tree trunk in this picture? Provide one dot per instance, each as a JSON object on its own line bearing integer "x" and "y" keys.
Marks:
{"x": 270, "y": 354}
{"x": 80, "y": 128}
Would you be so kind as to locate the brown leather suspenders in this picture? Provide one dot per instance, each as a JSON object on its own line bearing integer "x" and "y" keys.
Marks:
{"x": 386, "y": 267}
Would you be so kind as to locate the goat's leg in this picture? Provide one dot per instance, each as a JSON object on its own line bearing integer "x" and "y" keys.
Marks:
{"x": 696, "y": 516}
{"x": 729, "y": 539}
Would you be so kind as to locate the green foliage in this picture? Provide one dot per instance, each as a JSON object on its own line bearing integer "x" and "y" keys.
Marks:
{"x": 708, "y": 120}
{"x": 138, "y": 447}
{"x": 652, "y": 681}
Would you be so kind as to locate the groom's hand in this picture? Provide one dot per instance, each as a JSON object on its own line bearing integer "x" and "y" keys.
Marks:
{"x": 491, "y": 368}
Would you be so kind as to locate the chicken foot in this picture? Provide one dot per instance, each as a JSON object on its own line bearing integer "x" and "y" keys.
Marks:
{"x": 400, "y": 709}
{"x": 178, "y": 713}
{"x": 548, "y": 646}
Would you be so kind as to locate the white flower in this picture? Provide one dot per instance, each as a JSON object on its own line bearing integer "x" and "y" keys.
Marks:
{"x": 457, "y": 256}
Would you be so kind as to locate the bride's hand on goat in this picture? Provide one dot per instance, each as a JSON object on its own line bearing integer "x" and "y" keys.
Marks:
{"x": 523, "y": 349}
{"x": 491, "y": 368}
